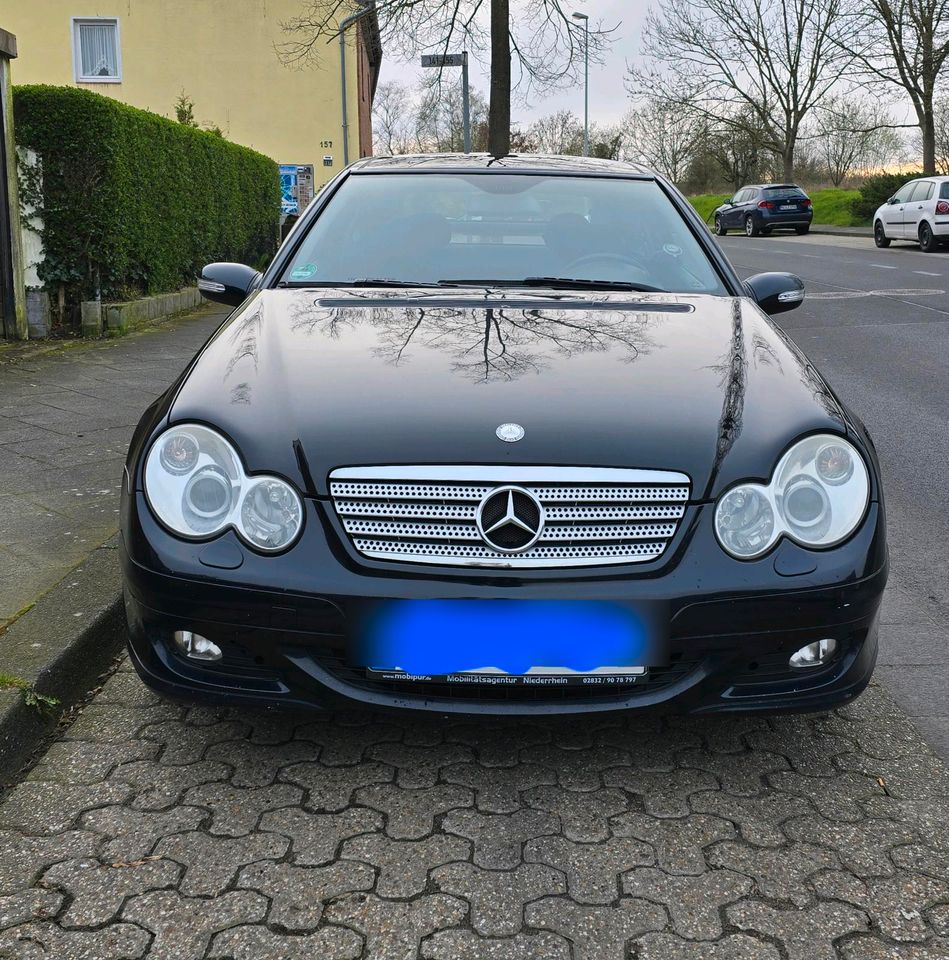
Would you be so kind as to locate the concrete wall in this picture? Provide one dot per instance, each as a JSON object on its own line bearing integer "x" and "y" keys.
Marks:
{"x": 222, "y": 54}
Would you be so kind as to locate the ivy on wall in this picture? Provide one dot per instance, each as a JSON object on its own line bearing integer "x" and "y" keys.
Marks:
{"x": 135, "y": 204}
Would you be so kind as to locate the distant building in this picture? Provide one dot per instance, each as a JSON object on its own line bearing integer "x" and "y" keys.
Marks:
{"x": 220, "y": 54}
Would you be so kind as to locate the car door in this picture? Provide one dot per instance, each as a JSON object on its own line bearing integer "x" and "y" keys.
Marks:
{"x": 747, "y": 205}
{"x": 733, "y": 216}
{"x": 893, "y": 212}
{"x": 915, "y": 209}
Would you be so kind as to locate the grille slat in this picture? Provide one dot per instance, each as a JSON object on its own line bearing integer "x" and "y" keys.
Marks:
{"x": 433, "y": 517}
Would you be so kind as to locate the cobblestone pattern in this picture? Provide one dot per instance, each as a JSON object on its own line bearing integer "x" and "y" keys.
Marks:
{"x": 163, "y": 831}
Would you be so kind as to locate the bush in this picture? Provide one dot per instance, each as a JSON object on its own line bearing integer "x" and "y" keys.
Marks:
{"x": 877, "y": 190}
{"x": 133, "y": 203}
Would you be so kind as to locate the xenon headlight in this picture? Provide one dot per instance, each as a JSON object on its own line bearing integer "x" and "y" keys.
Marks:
{"x": 196, "y": 485}
{"x": 817, "y": 496}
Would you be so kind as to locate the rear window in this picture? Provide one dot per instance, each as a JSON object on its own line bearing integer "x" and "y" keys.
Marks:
{"x": 784, "y": 193}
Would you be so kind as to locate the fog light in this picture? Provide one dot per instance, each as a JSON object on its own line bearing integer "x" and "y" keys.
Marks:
{"x": 195, "y": 646}
{"x": 814, "y": 654}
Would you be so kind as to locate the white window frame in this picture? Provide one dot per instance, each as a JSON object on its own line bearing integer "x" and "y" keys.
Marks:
{"x": 77, "y": 53}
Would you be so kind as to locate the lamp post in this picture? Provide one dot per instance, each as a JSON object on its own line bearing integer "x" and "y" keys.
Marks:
{"x": 586, "y": 81}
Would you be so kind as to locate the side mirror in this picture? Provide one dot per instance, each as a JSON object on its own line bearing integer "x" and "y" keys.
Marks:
{"x": 776, "y": 292}
{"x": 892, "y": 200}
{"x": 227, "y": 282}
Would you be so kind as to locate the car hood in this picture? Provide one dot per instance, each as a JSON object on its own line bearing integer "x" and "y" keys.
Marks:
{"x": 705, "y": 385}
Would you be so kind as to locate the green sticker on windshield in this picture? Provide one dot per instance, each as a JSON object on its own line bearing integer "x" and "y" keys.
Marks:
{"x": 303, "y": 272}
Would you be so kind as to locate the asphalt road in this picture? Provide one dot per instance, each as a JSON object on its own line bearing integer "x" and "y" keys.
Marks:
{"x": 876, "y": 323}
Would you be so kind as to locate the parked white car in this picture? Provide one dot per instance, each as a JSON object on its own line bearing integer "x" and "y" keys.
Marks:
{"x": 918, "y": 211}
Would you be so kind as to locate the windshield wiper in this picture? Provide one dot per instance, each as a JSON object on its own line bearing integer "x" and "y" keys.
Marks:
{"x": 365, "y": 282}
{"x": 566, "y": 283}
{"x": 580, "y": 283}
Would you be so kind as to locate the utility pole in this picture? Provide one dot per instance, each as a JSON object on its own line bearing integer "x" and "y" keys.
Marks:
{"x": 441, "y": 60}
{"x": 586, "y": 81}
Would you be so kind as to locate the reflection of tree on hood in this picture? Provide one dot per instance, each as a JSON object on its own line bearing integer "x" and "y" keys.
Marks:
{"x": 490, "y": 343}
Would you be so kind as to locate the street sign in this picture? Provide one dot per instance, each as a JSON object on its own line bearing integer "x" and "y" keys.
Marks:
{"x": 443, "y": 59}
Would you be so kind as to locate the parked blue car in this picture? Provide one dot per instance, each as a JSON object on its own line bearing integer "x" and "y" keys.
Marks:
{"x": 761, "y": 208}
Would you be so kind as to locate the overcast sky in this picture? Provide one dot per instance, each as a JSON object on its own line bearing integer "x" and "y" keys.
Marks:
{"x": 608, "y": 100}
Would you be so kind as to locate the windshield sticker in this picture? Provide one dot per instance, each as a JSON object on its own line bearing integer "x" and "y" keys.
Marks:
{"x": 303, "y": 272}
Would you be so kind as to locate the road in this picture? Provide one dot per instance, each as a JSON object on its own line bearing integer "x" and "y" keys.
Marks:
{"x": 154, "y": 830}
{"x": 876, "y": 323}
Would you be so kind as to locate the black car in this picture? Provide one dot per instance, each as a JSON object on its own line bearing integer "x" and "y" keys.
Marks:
{"x": 760, "y": 208}
{"x": 502, "y": 436}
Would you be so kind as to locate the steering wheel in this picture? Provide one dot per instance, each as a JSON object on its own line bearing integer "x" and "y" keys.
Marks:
{"x": 617, "y": 258}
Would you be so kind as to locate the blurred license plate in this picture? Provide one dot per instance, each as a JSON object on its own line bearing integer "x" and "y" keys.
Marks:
{"x": 788, "y": 206}
{"x": 512, "y": 642}
{"x": 535, "y": 677}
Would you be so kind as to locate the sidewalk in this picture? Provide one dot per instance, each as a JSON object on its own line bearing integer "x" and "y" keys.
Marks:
{"x": 65, "y": 424}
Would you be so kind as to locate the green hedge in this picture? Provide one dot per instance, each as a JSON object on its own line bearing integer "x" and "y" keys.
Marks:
{"x": 133, "y": 203}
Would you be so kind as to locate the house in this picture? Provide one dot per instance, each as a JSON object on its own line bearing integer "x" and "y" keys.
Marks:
{"x": 227, "y": 58}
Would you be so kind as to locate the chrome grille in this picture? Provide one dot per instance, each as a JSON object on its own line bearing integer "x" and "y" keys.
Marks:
{"x": 591, "y": 516}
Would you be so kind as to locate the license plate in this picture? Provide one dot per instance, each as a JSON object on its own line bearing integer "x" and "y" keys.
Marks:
{"x": 511, "y": 642}
{"x": 535, "y": 677}
{"x": 789, "y": 206}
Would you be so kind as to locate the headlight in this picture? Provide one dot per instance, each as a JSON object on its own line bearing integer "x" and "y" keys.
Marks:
{"x": 197, "y": 487}
{"x": 817, "y": 496}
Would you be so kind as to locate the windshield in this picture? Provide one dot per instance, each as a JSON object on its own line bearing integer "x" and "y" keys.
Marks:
{"x": 505, "y": 228}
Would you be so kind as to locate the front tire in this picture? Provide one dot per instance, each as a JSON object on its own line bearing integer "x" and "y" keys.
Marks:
{"x": 751, "y": 227}
{"x": 720, "y": 229}
{"x": 879, "y": 235}
{"x": 927, "y": 239}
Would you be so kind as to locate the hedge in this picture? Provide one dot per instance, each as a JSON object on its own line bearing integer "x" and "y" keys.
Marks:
{"x": 133, "y": 203}
{"x": 876, "y": 190}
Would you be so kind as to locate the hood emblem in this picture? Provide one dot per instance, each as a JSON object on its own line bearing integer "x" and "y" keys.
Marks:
{"x": 510, "y": 432}
{"x": 510, "y": 519}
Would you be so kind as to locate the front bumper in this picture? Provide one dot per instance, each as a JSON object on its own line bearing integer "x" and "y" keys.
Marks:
{"x": 283, "y": 621}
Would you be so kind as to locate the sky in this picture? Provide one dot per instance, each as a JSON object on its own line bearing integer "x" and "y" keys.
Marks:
{"x": 608, "y": 98}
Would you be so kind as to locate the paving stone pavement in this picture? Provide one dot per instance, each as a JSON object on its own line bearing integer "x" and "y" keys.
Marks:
{"x": 157, "y": 830}
{"x": 65, "y": 423}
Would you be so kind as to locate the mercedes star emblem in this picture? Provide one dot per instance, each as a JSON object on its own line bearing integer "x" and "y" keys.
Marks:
{"x": 510, "y": 432}
{"x": 510, "y": 519}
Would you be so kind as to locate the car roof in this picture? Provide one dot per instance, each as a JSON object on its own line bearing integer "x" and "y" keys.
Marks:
{"x": 513, "y": 163}
{"x": 773, "y": 186}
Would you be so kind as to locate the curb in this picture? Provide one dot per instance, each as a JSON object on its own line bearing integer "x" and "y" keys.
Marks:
{"x": 842, "y": 231}
{"x": 59, "y": 647}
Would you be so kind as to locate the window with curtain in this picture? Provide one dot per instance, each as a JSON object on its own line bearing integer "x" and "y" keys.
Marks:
{"x": 97, "y": 51}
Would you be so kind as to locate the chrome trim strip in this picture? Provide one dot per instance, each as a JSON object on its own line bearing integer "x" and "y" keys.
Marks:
{"x": 430, "y": 556}
{"x": 515, "y": 474}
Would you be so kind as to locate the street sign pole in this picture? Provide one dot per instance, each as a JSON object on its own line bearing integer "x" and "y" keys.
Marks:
{"x": 441, "y": 60}
{"x": 465, "y": 105}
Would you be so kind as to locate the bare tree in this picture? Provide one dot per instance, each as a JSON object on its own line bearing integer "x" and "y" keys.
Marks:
{"x": 941, "y": 127}
{"x": 538, "y": 41}
{"x": 392, "y": 118}
{"x": 852, "y": 135}
{"x": 905, "y": 43}
{"x": 663, "y": 136}
{"x": 558, "y": 132}
{"x": 439, "y": 119}
{"x": 767, "y": 63}
{"x": 737, "y": 149}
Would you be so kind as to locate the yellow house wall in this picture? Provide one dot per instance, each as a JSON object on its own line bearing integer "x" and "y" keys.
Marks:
{"x": 221, "y": 53}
